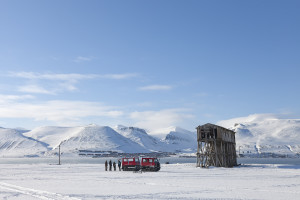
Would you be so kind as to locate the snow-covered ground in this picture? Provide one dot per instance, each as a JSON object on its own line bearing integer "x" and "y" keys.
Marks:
{"x": 174, "y": 181}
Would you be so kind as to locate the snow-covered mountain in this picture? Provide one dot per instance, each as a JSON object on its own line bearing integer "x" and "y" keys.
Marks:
{"x": 141, "y": 137}
{"x": 13, "y": 143}
{"x": 265, "y": 133}
{"x": 90, "y": 137}
{"x": 53, "y": 135}
{"x": 102, "y": 138}
{"x": 255, "y": 134}
{"x": 180, "y": 139}
{"x": 45, "y": 140}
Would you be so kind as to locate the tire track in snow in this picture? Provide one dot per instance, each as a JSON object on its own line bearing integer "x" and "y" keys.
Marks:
{"x": 35, "y": 193}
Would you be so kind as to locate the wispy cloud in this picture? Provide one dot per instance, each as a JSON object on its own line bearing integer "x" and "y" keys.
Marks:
{"x": 52, "y": 76}
{"x": 155, "y": 121}
{"x": 119, "y": 76}
{"x": 83, "y": 59}
{"x": 34, "y": 89}
{"x": 70, "y": 77}
{"x": 57, "y": 111}
{"x": 11, "y": 98}
{"x": 51, "y": 83}
{"x": 63, "y": 112}
{"x": 156, "y": 87}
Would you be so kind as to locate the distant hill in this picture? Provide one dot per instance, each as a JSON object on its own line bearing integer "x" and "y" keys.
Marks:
{"x": 181, "y": 140}
{"x": 53, "y": 135}
{"x": 13, "y": 143}
{"x": 91, "y": 137}
{"x": 141, "y": 137}
{"x": 265, "y": 134}
{"x": 102, "y": 138}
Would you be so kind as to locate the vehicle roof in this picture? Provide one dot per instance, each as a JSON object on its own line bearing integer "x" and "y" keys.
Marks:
{"x": 129, "y": 157}
{"x": 149, "y": 158}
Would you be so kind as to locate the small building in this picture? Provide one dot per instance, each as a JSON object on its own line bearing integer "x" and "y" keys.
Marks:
{"x": 216, "y": 146}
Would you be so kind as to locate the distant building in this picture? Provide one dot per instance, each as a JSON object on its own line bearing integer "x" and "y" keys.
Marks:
{"x": 216, "y": 146}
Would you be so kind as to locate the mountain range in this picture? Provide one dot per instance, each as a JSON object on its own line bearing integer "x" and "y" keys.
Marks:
{"x": 259, "y": 134}
{"x": 44, "y": 141}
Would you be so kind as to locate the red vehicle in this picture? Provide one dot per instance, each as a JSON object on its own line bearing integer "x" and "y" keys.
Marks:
{"x": 131, "y": 164}
{"x": 150, "y": 164}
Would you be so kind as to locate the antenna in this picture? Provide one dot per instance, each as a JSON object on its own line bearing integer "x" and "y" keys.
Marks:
{"x": 59, "y": 154}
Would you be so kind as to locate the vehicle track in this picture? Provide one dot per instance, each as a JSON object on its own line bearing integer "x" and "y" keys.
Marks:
{"x": 35, "y": 193}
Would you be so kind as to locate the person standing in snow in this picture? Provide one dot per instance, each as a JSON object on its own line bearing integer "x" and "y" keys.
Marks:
{"x": 114, "y": 166}
{"x": 106, "y": 165}
{"x": 119, "y": 165}
{"x": 110, "y": 165}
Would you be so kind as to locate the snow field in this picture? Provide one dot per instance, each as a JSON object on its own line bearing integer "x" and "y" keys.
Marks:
{"x": 174, "y": 181}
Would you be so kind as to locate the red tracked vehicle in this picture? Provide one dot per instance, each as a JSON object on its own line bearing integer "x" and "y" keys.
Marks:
{"x": 131, "y": 164}
{"x": 150, "y": 164}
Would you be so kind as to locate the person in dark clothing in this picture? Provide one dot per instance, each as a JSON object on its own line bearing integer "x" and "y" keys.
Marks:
{"x": 110, "y": 165}
{"x": 106, "y": 165}
{"x": 114, "y": 164}
{"x": 119, "y": 165}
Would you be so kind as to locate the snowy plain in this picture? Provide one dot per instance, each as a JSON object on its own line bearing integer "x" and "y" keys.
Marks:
{"x": 70, "y": 181}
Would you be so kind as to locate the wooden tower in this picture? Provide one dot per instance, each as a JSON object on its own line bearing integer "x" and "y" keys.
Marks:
{"x": 216, "y": 146}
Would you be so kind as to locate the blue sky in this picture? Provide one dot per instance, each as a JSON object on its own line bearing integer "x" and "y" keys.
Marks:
{"x": 151, "y": 64}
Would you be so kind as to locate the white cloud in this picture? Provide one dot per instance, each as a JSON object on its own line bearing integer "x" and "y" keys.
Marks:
{"x": 250, "y": 118}
{"x": 34, "y": 89}
{"x": 119, "y": 76}
{"x": 50, "y": 83}
{"x": 83, "y": 59}
{"x": 156, "y": 87}
{"x": 11, "y": 98}
{"x": 57, "y": 111}
{"x": 62, "y": 112}
{"x": 72, "y": 77}
{"x": 51, "y": 76}
{"x": 155, "y": 121}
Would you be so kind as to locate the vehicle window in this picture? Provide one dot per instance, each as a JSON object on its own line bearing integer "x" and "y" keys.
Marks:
{"x": 155, "y": 160}
{"x": 130, "y": 159}
{"x": 125, "y": 160}
{"x": 144, "y": 160}
{"x": 150, "y": 160}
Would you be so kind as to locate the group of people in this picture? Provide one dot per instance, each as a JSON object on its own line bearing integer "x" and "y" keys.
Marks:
{"x": 110, "y": 165}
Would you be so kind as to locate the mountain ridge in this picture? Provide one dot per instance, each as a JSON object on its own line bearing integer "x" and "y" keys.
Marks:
{"x": 265, "y": 134}
{"x": 255, "y": 134}
{"x": 92, "y": 138}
